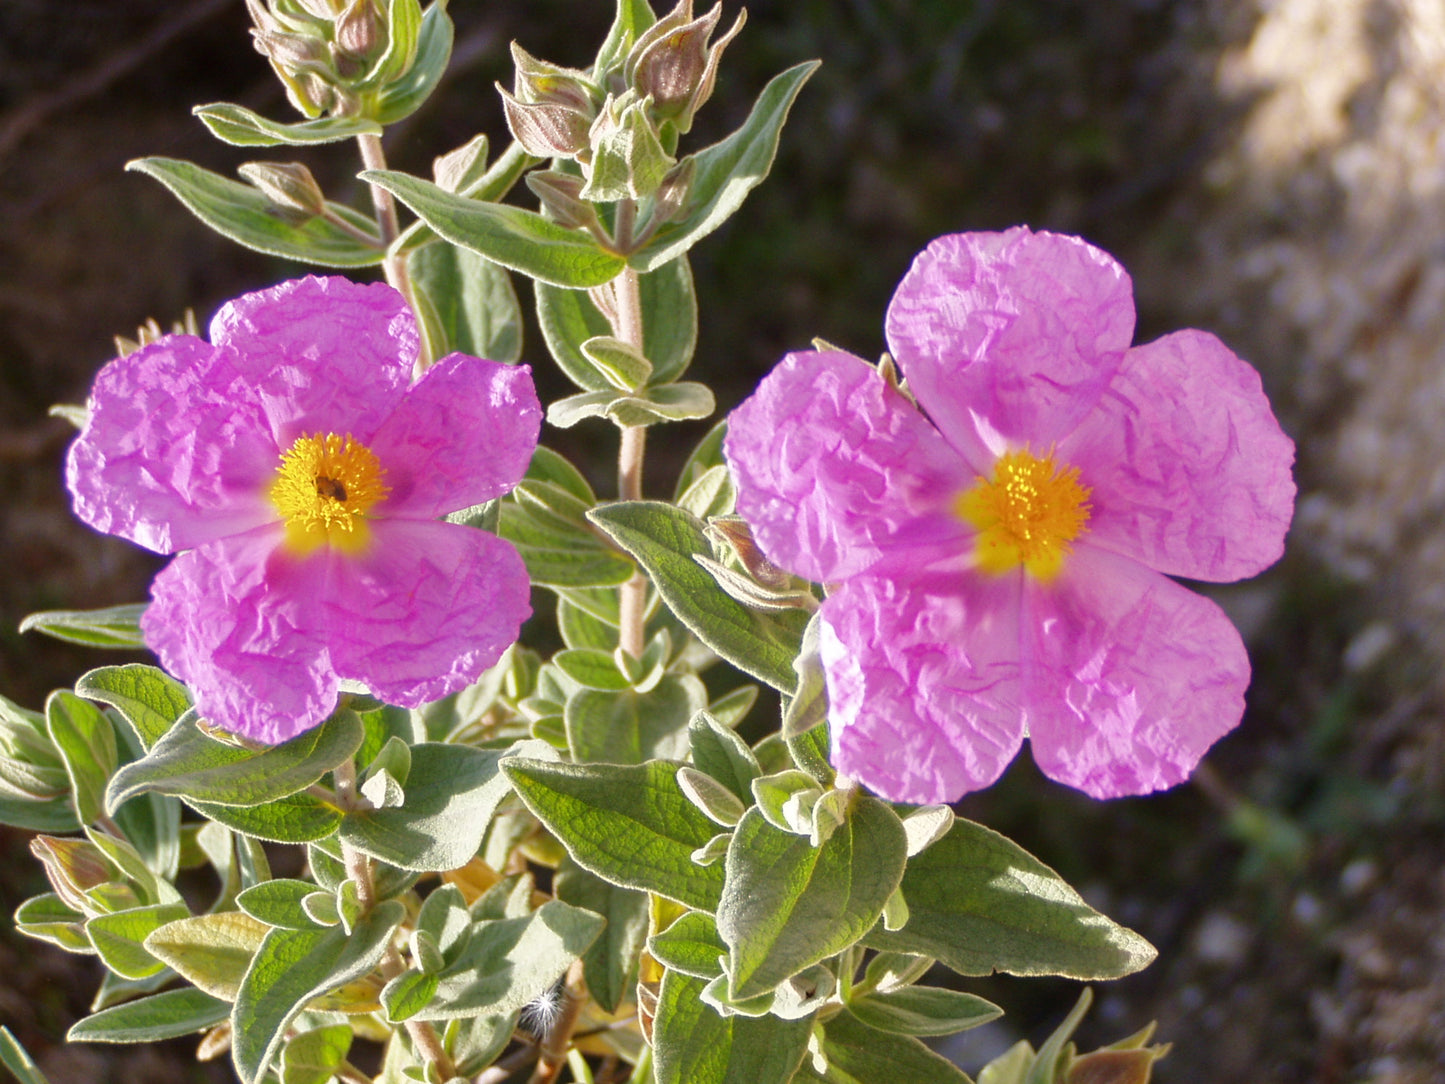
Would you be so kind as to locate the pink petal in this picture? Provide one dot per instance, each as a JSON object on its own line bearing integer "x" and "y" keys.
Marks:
{"x": 323, "y": 355}
{"x": 1131, "y": 677}
{"x": 834, "y": 468}
{"x": 173, "y": 454}
{"x": 1189, "y": 469}
{"x": 426, "y": 610}
{"x": 1009, "y": 337}
{"x": 462, "y": 435}
{"x": 923, "y": 682}
{"x": 232, "y": 624}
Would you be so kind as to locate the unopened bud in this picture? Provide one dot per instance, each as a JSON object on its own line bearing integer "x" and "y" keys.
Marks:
{"x": 546, "y": 130}
{"x": 295, "y": 53}
{"x": 73, "y": 866}
{"x": 734, "y": 533}
{"x": 673, "y": 63}
{"x": 288, "y": 185}
{"x": 361, "y": 29}
{"x": 628, "y": 158}
{"x": 456, "y": 171}
{"x": 541, "y": 82}
{"x": 560, "y": 194}
{"x": 675, "y": 192}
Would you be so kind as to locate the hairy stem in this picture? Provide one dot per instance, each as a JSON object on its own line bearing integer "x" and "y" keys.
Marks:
{"x": 389, "y": 228}
{"x": 627, "y": 326}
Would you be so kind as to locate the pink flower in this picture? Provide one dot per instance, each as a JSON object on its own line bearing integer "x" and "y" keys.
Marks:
{"x": 999, "y": 568}
{"x": 300, "y": 475}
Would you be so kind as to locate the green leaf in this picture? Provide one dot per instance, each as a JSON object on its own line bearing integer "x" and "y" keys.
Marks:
{"x": 211, "y": 952}
{"x": 521, "y": 240}
{"x": 451, "y": 794}
{"x": 664, "y": 539}
{"x": 15, "y": 1058}
{"x": 147, "y": 698}
{"x": 313, "y": 1057}
{"x": 189, "y": 763}
{"x": 569, "y": 318}
{"x": 51, "y": 816}
{"x": 611, "y": 963}
{"x": 788, "y": 904}
{"x": 86, "y": 742}
{"x": 631, "y": 825}
{"x": 408, "y": 994}
{"x": 723, "y": 755}
{"x": 247, "y": 217}
{"x": 293, "y": 966}
{"x": 278, "y": 903}
{"x": 690, "y": 945}
{"x": 473, "y": 302}
{"x": 403, "y": 96}
{"x": 512, "y": 961}
{"x": 119, "y": 937}
{"x": 692, "y": 1044}
{"x": 980, "y": 903}
{"x": 153, "y": 822}
{"x": 114, "y": 626}
{"x": 297, "y": 818}
{"x": 670, "y": 403}
{"x": 633, "y": 18}
{"x": 48, "y": 918}
{"x": 859, "y": 1054}
{"x": 591, "y": 668}
{"x": 630, "y": 726}
{"x": 728, "y": 171}
{"x": 923, "y": 1010}
{"x": 559, "y": 554}
{"x": 241, "y": 127}
{"x": 152, "y": 1019}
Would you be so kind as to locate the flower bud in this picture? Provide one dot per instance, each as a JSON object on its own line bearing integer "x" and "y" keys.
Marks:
{"x": 673, "y": 63}
{"x": 458, "y": 170}
{"x": 538, "y": 81}
{"x": 293, "y": 53}
{"x": 628, "y": 159}
{"x": 560, "y": 194}
{"x": 73, "y": 867}
{"x": 544, "y": 129}
{"x": 361, "y": 30}
{"x": 289, "y": 185}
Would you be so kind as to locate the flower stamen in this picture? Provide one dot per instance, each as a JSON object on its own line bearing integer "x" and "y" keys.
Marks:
{"x": 1027, "y": 514}
{"x": 323, "y": 489}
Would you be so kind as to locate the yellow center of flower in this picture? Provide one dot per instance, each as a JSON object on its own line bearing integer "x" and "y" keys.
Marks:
{"x": 323, "y": 489}
{"x": 1026, "y": 514}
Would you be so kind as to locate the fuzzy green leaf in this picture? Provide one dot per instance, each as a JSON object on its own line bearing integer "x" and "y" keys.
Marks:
{"x": 628, "y": 726}
{"x": 278, "y": 903}
{"x": 450, "y": 796}
{"x": 691, "y": 945}
{"x": 728, "y": 171}
{"x": 473, "y": 307}
{"x": 631, "y": 825}
{"x": 694, "y": 1045}
{"x": 297, "y": 818}
{"x": 247, "y": 217}
{"x": 404, "y": 96}
{"x": 923, "y": 1010}
{"x": 152, "y": 1019}
{"x": 664, "y": 539}
{"x": 86, "y": 742}
{"x": 147, "y": 698}
{"x": 569, "y": 318}
{"x": 980, "y": 903}
{"x": 313, "y": 1057}
{"x": 212, "y": 951}
{"x": 293, "y": 966}
{"x": 859, "y": 1054}
{"x": 241, "y": 127}
{"x": 788, "y": 904}
{"x": 15, "y": 1058}
{"x": 611, "y": 962}
{"x": 119, "y": 937}
{"x": 189, "y": 763}
{"x": 521, "y": 240}
{"x": 114, "y": 626}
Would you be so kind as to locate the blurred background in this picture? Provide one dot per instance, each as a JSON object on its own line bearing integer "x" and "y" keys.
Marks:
{"x": 1270, "y": 170}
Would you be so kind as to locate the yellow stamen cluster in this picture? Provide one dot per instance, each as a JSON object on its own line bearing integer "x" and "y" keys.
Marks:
{"x": 324, "y": 487}
{"x": 1026, "y": 514}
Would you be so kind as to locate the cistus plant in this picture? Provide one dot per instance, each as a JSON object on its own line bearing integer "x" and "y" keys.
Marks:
{"x": 604, "y": 862}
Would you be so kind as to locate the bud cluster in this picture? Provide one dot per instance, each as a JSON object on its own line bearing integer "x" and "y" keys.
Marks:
{"x": 334, "y": 55}
{"x": 621, "y": 125}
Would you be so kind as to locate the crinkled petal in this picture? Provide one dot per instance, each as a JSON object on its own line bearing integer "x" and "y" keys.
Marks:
{"x": 324, "y": 355}
{"x": 462, "y": 435}
{"x": 834, "y": 468}
{"x": 230, "y": 622}
{"x": 1131, "y": 677}
{"x": 426, "y": 610}
{"x": 923, "y": 682}
{"x": 1009, "y": 337}
{"x": 173, "y": 453}
{"x": 1189, "y": 469}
